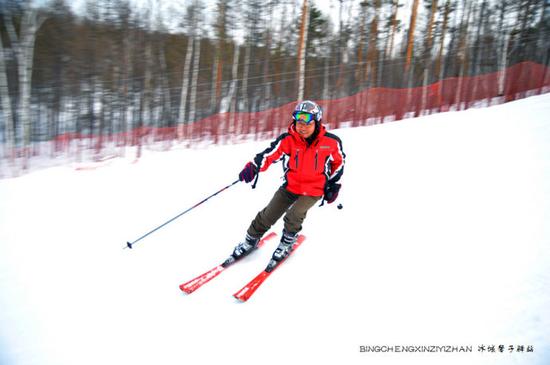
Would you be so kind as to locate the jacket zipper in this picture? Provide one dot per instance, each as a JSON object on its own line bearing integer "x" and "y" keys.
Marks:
{"x": 316, "y": 155}
{"x": 296, "y": 158}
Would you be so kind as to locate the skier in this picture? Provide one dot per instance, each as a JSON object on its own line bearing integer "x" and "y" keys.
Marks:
{"x": 313, "y": 162}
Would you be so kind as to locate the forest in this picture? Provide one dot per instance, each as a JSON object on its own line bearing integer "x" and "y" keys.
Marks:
{"x": 115, "y": 68}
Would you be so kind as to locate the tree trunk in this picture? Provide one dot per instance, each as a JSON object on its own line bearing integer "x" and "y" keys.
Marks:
{"x": 542, "y": 32}
{"x": 9, "y": 136}
{"x": 266, "y": 77}
{"x": 390, "y": 40}
{"x": 543, "y": 47}
{"x": 341, "y": 54}
{"x": 439, "y": 63}
{"x": 326, "y": 78}
{"x": 165, "y": 92}
{"x": 501, "y": 57}
{"x": 410, "y": 37}
{"x": 228, "y": 126}
{"x": 185, "y": 85}
{"x": 393, "y": 23}
{"x": 503, "y": 61}
{"x": 478, "y": 47}
{"x": 234, "y": 79}
{"x": 246, "y": 72}
{"x": 127, "y": 100}
{"x": 439, "y": 66}
{"x": 360, "y": 63}
{"x": 147, "y": 115}
{"x": 428, "y": 53}
{"x": 523, "y": 14}
{"x": 194, "y": 80}
{"x": 372, "y": 53}
{"x": 463, "y": 54}
{"x": 214, "y": 85}
{"x": 30, "y": 23}
{"x": 302, "y": 50}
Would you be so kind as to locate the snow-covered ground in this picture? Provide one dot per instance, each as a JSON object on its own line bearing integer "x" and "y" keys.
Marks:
{"x": 443, "y": 241}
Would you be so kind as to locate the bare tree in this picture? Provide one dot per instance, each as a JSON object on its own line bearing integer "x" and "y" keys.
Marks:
{"x": 502, "y": 8}
{"x": 252, "y": 20}
{"x": 428, "y": 43}
{"x": 372, "y": 52}
{"x": 222, "y": 27}
{"x": 439, "y": 69}
{"x": 543, "y": 45}
{"x": 463, "y": 51}
{"x": 231, "y": 97}
{"x": 191, "y": 27}
{"x": 393, "y": 22}
{"x": 196, "y": 62}
{"x": 359, "y": 69}
{"x": 23, "y": 44}
{"x": 266, "y": 78}
{"x": 7, "y": 111}
{"x": 410, "y": 36}
{"x": 147, "y": 112}
{"x": 391, "y": 64}
{"x": 301, "y": 49}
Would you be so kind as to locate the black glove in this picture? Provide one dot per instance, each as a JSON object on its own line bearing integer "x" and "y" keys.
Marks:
{"x": 331, "y": 192}
{"x": 248, "y": 173}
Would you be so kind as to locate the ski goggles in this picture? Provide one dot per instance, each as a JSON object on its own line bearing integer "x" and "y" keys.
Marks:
{"x": 303, "y": 118}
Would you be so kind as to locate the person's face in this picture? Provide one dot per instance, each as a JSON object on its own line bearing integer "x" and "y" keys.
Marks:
{"x": 305, "y": 130}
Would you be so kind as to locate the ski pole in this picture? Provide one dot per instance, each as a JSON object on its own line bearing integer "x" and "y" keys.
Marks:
{"x": 131, "y": 244}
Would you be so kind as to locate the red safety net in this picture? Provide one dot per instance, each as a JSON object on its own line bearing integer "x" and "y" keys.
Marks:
{"x": 370, "y": 106}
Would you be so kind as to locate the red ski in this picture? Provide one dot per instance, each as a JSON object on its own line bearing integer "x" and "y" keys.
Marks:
{"x": 246, "y": 292}
{"x": 200, "y": 280}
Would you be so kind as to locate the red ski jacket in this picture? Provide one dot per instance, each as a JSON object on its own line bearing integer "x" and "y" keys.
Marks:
{"x": 308, "y": 167}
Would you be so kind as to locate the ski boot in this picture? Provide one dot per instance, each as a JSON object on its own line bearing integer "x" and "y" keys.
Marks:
{"x": 283, "y": 250}
{"x": 242, "y": 249}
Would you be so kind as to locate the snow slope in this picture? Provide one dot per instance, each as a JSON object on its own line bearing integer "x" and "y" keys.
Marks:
{"x": 443, "y": 240}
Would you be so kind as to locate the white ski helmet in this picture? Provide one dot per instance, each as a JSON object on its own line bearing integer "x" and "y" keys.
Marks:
{"x": 310, "y": 107}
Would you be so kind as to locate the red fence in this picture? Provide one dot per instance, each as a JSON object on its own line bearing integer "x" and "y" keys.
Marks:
{"x": 371, "y": 106}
